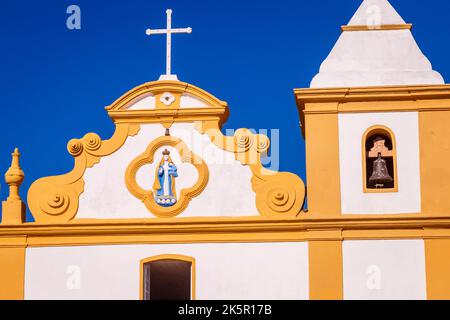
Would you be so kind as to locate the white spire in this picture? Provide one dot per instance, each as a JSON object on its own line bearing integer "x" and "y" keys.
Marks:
{"x": 375, "y": 12}
{"x": 379, "y": 56}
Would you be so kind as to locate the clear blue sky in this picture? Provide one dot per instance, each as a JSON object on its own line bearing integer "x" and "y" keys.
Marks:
{"x": 54, "y": 83}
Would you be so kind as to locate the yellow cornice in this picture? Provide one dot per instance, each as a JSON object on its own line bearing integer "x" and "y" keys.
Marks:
{"x": 348, "y": 100}
{"x": 385, "y": 27}
{"x": 249, "y": 229}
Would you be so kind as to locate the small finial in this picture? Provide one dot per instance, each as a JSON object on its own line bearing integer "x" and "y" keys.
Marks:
{"x": 13, "y": 209}
{"x": 14, "y": 176}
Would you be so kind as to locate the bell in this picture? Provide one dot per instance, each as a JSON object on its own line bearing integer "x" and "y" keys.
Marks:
{"x": 380, "y": 173}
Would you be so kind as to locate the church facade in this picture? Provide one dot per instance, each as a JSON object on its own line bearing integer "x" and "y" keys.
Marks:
{"x": 170, "y": 208}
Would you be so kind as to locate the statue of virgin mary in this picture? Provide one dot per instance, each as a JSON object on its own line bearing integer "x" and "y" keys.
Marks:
{"x": 164, "y": 185}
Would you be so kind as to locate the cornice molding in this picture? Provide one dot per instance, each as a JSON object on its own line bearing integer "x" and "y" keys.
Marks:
{"x": 210, "y": 230}
{"x": 385, "y": 27}
{"x": 339, "y": 100}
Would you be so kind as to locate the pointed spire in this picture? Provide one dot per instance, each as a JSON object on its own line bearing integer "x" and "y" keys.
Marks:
{"x": 376, "y": 48}
{"x": 13, "y": 209}
{"x": 376, "y": 12}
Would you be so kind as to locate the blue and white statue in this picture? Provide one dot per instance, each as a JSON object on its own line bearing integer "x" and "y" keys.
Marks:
{"x": 164, "y": 186}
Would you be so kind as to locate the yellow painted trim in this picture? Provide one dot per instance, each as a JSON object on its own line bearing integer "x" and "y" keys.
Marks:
{"x": 373, "y": 99}
{"x": 55, "y": 199}
{"x": 437, "y": 257}
{"x": 434, "y": 133}
{"x": 218, "y": 230}
{"x": 218, "y": 109}
{"x": 373, "y": 130}
{"x": 325, "y": 270}
{"x": 385, "y": 27}
{"x": 168, "y": 257}
{"x": 278, "y": 194}
{"x": 147, "y": 196}
{"x": 322, "y": 164}
{"x": 12, "y": 266}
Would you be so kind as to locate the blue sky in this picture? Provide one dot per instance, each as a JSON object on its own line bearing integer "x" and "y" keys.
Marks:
{"x": 55, "y": 83}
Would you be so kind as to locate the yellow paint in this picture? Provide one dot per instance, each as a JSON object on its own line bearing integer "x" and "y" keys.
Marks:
{"x": 12, "y": 266}
{"x": 319, "y": 109}
{"x": 55, "y": 199}
{"x": 379, "y": 129}
{"x": 374, "y": 99}
{"x": 325, "y": 270}
{"x": 147, "y": 196}
{"x": 406, "y": 26}
{"x": 13, "y": 209}
{"x": 437, "y": 257}
{"x": 278, "y": 194}
{"x": 170, "y": 257}
{"x": 434, "y": 134}
{"x": 322, "y": 164}
{"x": 220, "y": 229}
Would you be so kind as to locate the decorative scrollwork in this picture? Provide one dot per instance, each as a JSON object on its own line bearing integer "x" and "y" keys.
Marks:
{"x": 244, "y": 140}
{"x": 55, "y": 199}
{"x": 75, "y": 147}
{"x": 280, "y": 194}
{"x": 92, "y": 142}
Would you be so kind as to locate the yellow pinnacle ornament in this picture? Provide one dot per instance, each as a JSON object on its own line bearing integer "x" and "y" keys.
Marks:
{"x": 13, "y": 209}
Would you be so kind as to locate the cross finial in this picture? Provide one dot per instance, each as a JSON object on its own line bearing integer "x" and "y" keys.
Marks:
{"x": 168, "y": 31}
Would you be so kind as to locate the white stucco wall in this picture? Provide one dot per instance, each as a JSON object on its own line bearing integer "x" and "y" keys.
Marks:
{"x": 223, "y": 271}
{"x": 351, "y": 131}
{"x": 384, "y": 269}
{"x": 228, "y": 192}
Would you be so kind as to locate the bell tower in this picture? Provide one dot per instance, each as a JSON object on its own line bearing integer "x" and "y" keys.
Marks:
{"x": 374, "y": 120}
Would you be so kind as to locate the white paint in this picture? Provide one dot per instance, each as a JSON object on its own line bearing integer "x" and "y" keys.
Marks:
{"x": 188, "y": 101}
{"x": 228, "y": 192}
{"x": 171, "y": 77}
{"x": 351, "y": 131}
{"x": 259, "y": 271}
{"x": 168, "y": 32}
{"x": 371, "y": 10}
{"x": 376, "y": 58}
{"x": 384, "y": 269}
{"x": 167, "y": 98}
{"x": 144, "y": 102}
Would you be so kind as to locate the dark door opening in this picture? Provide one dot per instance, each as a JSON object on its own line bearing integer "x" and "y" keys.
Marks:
{"x": 167, "y": 279}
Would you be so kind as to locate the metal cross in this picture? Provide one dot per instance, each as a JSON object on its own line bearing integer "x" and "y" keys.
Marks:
{"x": 168, "y": 31}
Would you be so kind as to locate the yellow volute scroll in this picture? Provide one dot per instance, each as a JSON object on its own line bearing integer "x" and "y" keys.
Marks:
{"x": 278, "y": 194}
{"x": 55, "y": 199}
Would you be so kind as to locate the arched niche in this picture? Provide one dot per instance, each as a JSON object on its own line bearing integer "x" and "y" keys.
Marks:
{"x": 379, "y": 160}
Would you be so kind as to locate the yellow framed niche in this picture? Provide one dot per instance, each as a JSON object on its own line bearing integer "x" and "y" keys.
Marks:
{"x": 379, "y": 160}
